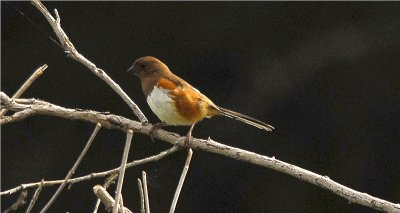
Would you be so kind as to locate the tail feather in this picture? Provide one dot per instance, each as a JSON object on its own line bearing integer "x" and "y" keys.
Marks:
{"x": 245, "y": 119}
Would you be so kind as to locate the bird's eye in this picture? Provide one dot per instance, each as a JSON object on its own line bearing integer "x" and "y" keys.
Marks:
{"x": 142, "y": 66}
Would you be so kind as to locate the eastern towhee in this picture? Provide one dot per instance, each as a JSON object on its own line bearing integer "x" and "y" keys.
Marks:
{"x": 176, "y": 102}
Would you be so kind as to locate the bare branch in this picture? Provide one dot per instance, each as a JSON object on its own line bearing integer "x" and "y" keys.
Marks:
{"x": 96, "y": 207}
{"x": 20, "y": 202}
{"x": 128, "y": 141}
{"x": 118, "y": 122}
{"x": 142, "y": 210}
{"x": 153, "y": 158}
{"x": 106, "y": 198}
{"x": 70, "y": 49}
{"x": 35, "y": 197}
{"x": 181, "y": 180}
{"x": 109, "y": 180}
{"x": 145, "y": 192}
{"x": 38, "y": 72}
{"x": 72, "y": 171}
{"x": 17, "y": 116}
{"x": 121, "y": 202}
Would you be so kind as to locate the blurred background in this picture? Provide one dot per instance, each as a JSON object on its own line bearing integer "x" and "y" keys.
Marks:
{"x": 326, "y": 75}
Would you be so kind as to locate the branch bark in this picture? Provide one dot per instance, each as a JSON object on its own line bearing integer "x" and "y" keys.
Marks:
{"x": 145, "y": 192}
{"x": 36, "y": 74}
{"x": 181, "y": 180}
{"x": 73, "y": 53}
{"x": 153, "y": 158}
{"x": 106, "y": 199}
{"x": 72, "y": 170}
{"x": 128, "y": 141}
{"x": 111, "y": 121}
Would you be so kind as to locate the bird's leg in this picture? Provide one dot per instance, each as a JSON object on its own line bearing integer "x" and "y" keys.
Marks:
{"x": 188, "y": 138}
{"x": 154, "y": 128}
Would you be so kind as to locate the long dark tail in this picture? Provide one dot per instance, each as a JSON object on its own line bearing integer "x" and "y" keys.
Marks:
{"x": 245, "y": 119}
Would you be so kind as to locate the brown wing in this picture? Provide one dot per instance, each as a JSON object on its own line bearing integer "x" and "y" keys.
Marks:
{"x": 190, "y": 102}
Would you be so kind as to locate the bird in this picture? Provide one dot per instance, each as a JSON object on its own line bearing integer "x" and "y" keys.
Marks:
{"x": 176, "y": 102}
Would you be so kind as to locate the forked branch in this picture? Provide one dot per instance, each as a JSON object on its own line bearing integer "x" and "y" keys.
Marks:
{"x": 29, "y": 107}
{"x": 106, "y": 199}
{"x": 108, "y": 120}
{"x": 73, "y": 53}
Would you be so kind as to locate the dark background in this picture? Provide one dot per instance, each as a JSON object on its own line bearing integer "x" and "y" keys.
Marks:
{"x": 326, "y": 75}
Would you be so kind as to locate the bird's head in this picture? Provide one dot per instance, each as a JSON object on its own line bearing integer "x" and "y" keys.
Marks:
{"x": 148, "y": 66}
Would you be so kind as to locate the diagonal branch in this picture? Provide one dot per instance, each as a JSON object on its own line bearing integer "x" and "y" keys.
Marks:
{"x": 109, "y": 180}
{"x": 153, "y": 158}
{"x": 73, "y": 53}
{"x": 72, "y": 171}
{"x": 128, "y": 141}
{"x": 36, "y": 74}
{"x": 142, "y": 210}
{"x": 35, "y": 197}
{"x": 108, "y": 120}
{"x": 181, "y": 180}
{"x": 145, "y": 192}
{"x": 106, "y": 198}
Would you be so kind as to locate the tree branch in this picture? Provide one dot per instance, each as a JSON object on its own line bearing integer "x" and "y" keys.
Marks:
{"x": 35, "y": 197}
{"x": 73, "y": 53}
{"x": 140, "y": 186}
{"x": 36, "y": 74}
{"x": 106, "y": 199}
{"x": 181, "y": 180}
{"x": 128, "y": 141}
{"x": 72, "y": 170}
{"x": 153, "y": 158}
{"x": 109, "y": 180}
{"x": 108, "y": 120}
{"x": 145, "y": 192}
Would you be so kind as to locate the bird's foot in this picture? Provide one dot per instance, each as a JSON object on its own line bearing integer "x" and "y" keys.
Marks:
{"x": 189, "y": 137}
{"x": 187, "y": 141}
{"x": 154, "y": 128}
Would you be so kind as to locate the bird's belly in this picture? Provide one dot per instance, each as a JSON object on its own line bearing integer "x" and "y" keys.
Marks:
{"x": 165, "y": 108}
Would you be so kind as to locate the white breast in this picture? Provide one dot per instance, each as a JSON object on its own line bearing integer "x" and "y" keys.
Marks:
{"x": 164, "y": 107}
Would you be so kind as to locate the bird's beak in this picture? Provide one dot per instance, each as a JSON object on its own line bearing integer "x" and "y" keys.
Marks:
{"x": 132, "y": 69}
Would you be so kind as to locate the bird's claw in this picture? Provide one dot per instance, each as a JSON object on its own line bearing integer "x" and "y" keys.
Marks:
{"x": 154, "y": 128}
{"x": 186, "y": 142}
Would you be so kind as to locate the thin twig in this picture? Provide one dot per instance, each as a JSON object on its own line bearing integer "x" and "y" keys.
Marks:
{"x": 140, "y": 186}
{"x": 107, "y": 199}
{"x": 109, "y": 180}
{"x": 145, "y": 192}
{"x": 122, "y": 168}
{"x": 20, "y": 202}
{"x": 70, "y": 49}
{"x": 38, "y": 72}
{"x": 35, "y": 197}
{"x": 118, "y": 122}
{"x": 96, "y": 207}
{"x": 121, "y": 202}
{"x": 72, "y": 171}
{"x": 181, "y": 180}
{"x": 153, "y": 158}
